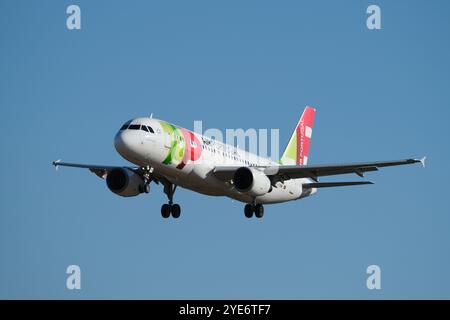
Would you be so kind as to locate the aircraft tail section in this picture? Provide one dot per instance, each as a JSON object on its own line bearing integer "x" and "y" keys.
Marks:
{"x": 297, "y": 150}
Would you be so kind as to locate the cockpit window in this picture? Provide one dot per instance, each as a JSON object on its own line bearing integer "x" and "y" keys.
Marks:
{"x": 143, "y": 127}
{"x": 125, "y": 125}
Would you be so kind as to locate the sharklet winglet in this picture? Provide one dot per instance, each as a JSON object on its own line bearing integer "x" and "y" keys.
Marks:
{"x": 56, "y": 163}
{"x": 422, "y": 161}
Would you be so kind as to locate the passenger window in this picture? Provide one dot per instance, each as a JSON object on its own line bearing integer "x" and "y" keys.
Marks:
{"x": 134, "y": 127}
{"x": 144, "y": 128}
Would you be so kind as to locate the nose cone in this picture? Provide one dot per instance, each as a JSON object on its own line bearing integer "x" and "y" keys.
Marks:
{"x": 127, "y": 144}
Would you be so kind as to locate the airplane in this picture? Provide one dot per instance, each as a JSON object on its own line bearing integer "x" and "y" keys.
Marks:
{"x": 173, "y": 156}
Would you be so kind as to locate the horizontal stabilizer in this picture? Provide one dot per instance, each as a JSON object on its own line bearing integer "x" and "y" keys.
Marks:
{"x": 334, "y": 184}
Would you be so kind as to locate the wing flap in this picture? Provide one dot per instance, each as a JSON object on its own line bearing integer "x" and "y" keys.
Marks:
{"x": 314, "y": 172}
{"x": 101, "y": 173}
{"x": 335, "y": 184}
{"x": 358, "y": 168}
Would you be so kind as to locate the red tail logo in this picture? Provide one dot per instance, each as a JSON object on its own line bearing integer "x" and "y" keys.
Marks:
{"x": 304, "y": 133}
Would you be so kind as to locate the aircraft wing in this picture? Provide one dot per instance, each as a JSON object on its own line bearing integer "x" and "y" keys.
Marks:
{"x": 286, "y": 172}
{"x": 100, "y": 171}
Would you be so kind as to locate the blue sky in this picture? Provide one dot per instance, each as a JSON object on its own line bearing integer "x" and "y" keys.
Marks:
{"x": 232, "y": 64}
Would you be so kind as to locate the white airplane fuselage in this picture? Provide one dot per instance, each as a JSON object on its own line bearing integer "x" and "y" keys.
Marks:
{"x": 188, "y": 160}
{"x": 173, "y": 156}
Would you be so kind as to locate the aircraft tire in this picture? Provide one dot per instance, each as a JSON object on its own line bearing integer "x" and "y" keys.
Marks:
{"x": 259, "y": 211}
{"x": 165, "y": 210}
{"x": 176, "y": 210}
{"x": 248, "y": 211}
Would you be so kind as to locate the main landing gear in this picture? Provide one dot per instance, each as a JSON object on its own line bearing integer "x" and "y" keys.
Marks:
{"x": 257, "y": 209}
{"x": 170, "y": 208}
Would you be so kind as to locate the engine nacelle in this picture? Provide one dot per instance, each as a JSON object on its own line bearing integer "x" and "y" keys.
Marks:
{"x": 251, "y": 181}
{"x": 124, "y": 182}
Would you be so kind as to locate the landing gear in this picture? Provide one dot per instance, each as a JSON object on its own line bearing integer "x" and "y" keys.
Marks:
{"x": 170, "y": 207}
{"x": 167, "y": 209}
{"x": 248, "y": 210}
{"x": 145, "y": 188}
{"x": 148, "y": 177}
{"x": 257, "y": 209}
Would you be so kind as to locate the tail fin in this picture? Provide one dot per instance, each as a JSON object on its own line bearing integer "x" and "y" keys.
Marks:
{"x": 297, "y": 150}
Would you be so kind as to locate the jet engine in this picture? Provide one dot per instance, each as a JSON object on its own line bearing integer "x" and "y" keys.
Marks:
{"x": 124, "y": 182}
{"x": 251, "y": 181}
